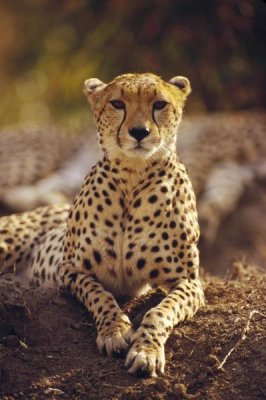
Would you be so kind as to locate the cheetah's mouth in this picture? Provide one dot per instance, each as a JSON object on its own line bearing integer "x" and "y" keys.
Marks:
{"x": 138, "y": 150}
{"x": 139, "y": 147}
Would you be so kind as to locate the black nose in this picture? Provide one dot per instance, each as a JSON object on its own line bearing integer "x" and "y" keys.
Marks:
{"x": 139, "y": 133}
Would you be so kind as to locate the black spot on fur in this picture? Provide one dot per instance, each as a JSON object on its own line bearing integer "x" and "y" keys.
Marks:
{"x": 141, "y": 263}
{"x": 154, "y": 273}
{"x": 97, "y": 256}
{"x": 137, "y": 203}
{"x": 87, "y": 264}
{"x": 152, "y": 199}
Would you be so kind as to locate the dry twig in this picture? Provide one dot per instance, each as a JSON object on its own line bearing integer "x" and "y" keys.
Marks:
{"x": 242, "y": 338}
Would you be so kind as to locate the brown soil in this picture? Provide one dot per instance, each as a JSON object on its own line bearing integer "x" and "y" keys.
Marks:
{"x": 47, "y": 339}
{"x": 48, "y": 351}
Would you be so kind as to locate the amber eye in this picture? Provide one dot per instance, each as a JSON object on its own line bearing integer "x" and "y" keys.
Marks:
{"x": 118, "y": 104}
{"x": 159, "y": 105}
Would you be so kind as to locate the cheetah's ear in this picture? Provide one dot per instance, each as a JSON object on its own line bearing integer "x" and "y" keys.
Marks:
{"x": 181, "y": 83}
{"x": 92, "y": 86}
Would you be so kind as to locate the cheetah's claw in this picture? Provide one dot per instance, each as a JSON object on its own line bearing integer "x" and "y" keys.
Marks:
{"x": 115, "y": 345}
{"x": 145, "y": 360}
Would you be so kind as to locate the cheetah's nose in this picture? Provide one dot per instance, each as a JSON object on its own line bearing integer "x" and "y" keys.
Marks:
{"x": 139, "y": 133}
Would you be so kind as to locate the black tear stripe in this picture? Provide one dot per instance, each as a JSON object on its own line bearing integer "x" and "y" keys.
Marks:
{"x": 118, "y": 131}
{"x": 153, "y": 117}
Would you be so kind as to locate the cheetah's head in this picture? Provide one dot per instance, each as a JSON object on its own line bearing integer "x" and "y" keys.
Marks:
{"x": 137, "y": 115}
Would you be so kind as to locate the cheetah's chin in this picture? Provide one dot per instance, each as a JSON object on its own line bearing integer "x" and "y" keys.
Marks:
{"x": 140, "y": 152}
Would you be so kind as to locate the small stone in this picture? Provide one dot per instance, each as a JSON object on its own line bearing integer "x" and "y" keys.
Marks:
{"x": 161, "y": 384}
{"x": 58, "y": 301}
{"x": 212, "y": 360}
{"x": 78, "y": 388}
{"x": 54, "y": 391}
{"x": 77, "y": 326}
{"x": 201, "y": 340}
{"x": 11, "y": 341}
{"x": 180, "y": 391}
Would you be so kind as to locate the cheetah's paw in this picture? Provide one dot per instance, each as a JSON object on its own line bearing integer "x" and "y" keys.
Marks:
{"x": 115, "y": 341}
{"x": 145, "y": 359}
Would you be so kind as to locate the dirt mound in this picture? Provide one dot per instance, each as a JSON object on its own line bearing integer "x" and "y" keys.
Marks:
{"x": 48, "y": 350}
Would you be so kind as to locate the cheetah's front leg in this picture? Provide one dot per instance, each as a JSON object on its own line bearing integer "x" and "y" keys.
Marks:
{"x": 113, "y": 326}
{"x": 146, "y": 356}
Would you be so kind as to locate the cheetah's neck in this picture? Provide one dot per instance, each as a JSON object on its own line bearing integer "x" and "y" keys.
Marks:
{"x": 132, "y": 172}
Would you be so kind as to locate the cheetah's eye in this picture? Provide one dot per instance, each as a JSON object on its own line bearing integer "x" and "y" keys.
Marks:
{"x": 118, "y": 104}
{"x": 159, "y": 105}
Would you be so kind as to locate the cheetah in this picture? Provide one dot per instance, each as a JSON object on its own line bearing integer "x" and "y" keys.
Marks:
{"x": 132, "y": 226}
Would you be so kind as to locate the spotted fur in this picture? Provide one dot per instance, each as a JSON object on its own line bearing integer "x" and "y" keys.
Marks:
{"x": 132, "y": 226}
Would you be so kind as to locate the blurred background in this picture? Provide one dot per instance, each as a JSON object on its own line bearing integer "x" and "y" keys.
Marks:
{"x": 48, "y": 48}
